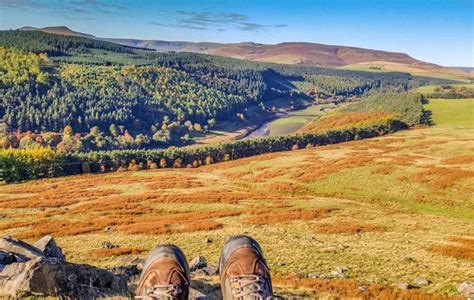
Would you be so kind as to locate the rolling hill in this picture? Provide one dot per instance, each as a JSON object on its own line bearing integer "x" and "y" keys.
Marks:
{"x": 302, "y": 53}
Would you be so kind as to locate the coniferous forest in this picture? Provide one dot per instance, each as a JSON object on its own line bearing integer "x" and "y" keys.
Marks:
{"x": 80, "y": 94}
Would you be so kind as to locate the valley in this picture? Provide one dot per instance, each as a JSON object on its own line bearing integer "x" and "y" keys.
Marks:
{"x": 352, "y": 167}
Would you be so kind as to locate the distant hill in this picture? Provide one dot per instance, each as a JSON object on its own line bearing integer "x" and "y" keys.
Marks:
{"x": 301, "y": 53}
{"x": 63, "y": 30}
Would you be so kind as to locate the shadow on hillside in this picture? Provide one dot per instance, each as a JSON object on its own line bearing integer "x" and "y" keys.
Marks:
{"x": 427, "y": 117}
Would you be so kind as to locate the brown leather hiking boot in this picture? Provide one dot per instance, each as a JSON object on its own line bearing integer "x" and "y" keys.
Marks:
{"x": 165, "y": 275}
{"x": 243, "y": 270}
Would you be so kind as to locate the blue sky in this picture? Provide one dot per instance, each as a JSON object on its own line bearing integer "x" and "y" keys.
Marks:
{"x": 432, "y": 30}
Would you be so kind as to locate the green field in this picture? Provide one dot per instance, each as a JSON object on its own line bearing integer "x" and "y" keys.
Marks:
{"x": 452, "y": 112}
{"x": 430, "y": 88}
{"x": 297, "y": 119}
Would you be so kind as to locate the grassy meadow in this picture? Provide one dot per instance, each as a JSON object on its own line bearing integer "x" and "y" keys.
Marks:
{"x": 390, "y": 209}
{"x": 297, "y": 119}
{"x": 452, "y": 112}
{"x": 431, "y": 88}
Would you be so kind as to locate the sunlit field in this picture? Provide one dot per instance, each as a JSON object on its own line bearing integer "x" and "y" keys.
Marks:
{"x": 390, "y": 209}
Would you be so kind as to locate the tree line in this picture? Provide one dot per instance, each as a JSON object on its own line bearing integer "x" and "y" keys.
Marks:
{"x": 19, "y": 165}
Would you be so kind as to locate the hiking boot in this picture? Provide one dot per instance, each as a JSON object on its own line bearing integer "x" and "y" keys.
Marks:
{"x": 243, "y": 270}
{"x": 165, "y": 275}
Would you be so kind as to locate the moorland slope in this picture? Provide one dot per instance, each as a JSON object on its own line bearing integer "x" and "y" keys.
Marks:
{"x": 311, "y": 54}
{"x": 389, "y": 210}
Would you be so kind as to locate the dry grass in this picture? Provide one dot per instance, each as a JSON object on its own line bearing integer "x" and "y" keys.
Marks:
{"x": 99, "y": 253}
{"x": 463, "y": 248}
{"x": 346, "y": 288}
{"x": 347, "y": 227}
{"x": 459, "y": 160}
{"x": 265, "y": 217}
{"x": 416, "y": 182}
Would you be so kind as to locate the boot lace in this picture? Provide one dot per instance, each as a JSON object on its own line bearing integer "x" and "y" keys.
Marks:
{"x": 162, "y": 292}
{"x": 253, "y": 286}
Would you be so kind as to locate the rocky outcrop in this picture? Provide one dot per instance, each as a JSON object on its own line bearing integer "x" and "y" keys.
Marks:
{"x": 41, "y": 270}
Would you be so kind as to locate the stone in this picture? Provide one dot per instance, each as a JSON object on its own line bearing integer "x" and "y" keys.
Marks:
{"x": 130, "y": 270}
{"x": 466, "y": 289}
{"x": 197, "y": 295}
{"x": 198, "y": 262}
{"x": 22, "y": 251}
{"x": 211, "y": 270}
{"x": 314, "y": 275}
{"x": 420, "y": 281}
{"x": 362, "y": 288}
{"x": 407, "y": 259}
{"x": 48, "y": 246}
{"x": 405, "y": 286}
{"x": 340, "y": 271}
{"x": 41, "y": 278}
{"x": 330, "y": 249}
{"x": 41, "y": 271}
{"x": 7, "y": 258}
{"x": 109, "y": 245}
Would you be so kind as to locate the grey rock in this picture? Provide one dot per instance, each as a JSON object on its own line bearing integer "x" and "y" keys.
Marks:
{"x": 130, "y": 270}
{"x": 43, "y": 275}
{"x": 197, "y": 295}
{"x": 48, "y": 246}
{"x": 22, "y": 251}
{"x": 407, "y": 259}
{"x": 314, "y": 275}
{"x": 7, "y": 258}
{"x": 420, "y": 281}
{"x": 362, "y": 288}
{"x": 466, "y": 289}
{"x": 405, "y": 286}
{"x": 109, "y": 245}
{"x": 198, "y": 262}
{"x": 340, "y": 271}
{"x": 211, "y": 270}
{"x": 41, "y": 278}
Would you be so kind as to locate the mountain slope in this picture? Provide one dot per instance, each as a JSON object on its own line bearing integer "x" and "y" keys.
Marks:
{"x": 303, "y": 53}
{"x": 62, "y": 30}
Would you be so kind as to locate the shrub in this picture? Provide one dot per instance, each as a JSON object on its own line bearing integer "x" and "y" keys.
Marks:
{"x": 17, "y": 165}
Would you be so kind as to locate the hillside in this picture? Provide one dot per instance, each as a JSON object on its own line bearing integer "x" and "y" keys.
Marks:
{"x": 135, "y": 98}
{"x": 62, "y": 30}
{"x": 371, "y": 207}
{"x": 311, "y": 54}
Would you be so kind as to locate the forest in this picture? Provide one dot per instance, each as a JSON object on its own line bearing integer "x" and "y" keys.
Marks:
{"x": 80, "y": 94}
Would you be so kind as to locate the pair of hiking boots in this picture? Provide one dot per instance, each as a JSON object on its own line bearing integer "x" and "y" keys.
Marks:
{"x": 244, "y": 274}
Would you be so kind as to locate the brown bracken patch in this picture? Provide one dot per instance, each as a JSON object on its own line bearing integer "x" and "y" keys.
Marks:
{"x": 265, "y": 217}
{"x": 464, "y": 248}
{"x": 347, "y": 288}
{"x": 345, "y": 120}
{"x": 115, "y": 252}
{"x": 441, "y": 177}
{"x": 459, "y": 160}
{"x": 347, "y": 227}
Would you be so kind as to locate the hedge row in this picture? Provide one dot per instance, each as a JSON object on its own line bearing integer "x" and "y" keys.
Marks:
{"x": 19, "y": 165}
